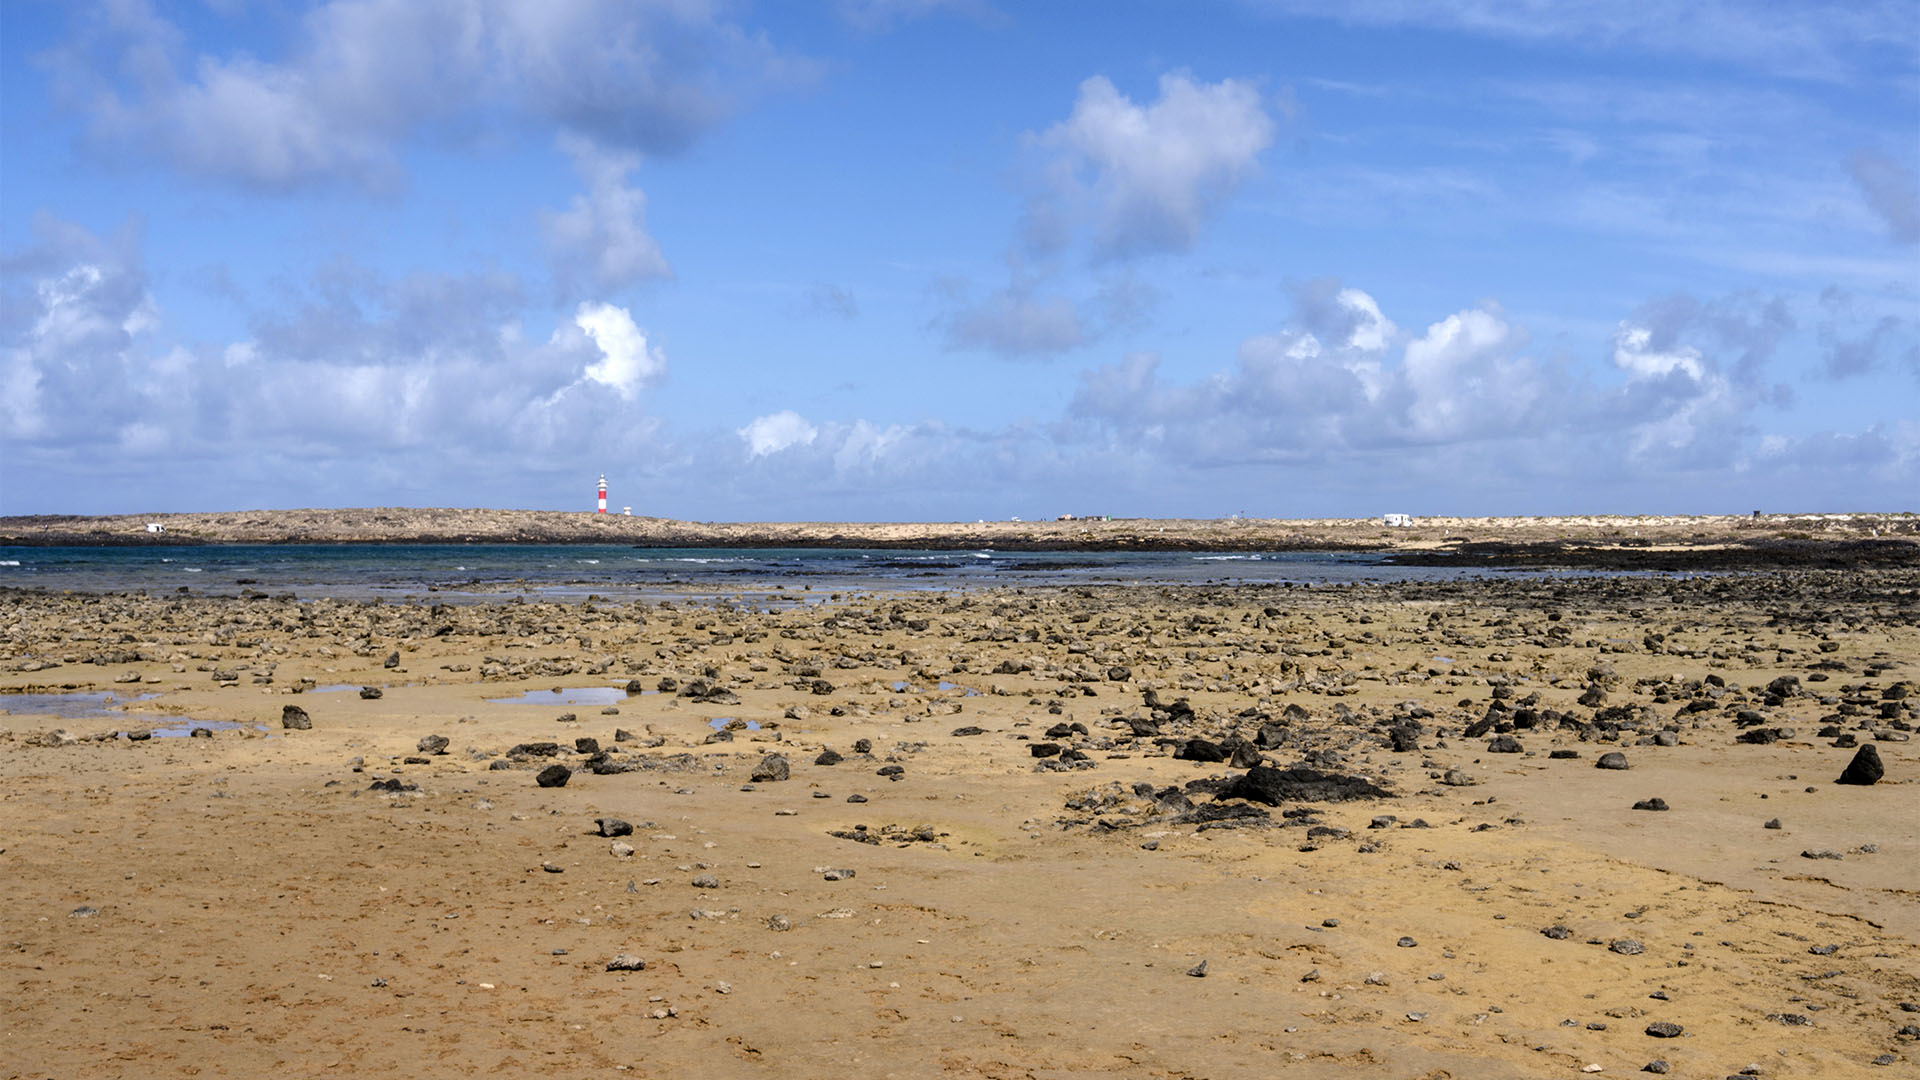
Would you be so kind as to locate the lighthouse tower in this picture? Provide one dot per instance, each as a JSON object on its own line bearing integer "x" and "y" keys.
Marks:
{"x": 603, "y": 494}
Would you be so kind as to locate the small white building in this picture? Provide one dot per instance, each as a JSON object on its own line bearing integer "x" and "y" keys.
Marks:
{"x": 1396, "y": 521}
{"x": 155, "y": 527}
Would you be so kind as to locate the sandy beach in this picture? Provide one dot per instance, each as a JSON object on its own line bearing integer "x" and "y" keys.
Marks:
{"x": 1138, "y": 832}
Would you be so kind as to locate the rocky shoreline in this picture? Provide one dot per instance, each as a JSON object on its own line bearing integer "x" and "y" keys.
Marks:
{"x": 1476, "y": 828}
{"x": 1643, "y": 542}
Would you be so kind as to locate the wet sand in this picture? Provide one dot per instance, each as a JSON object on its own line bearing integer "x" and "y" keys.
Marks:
{"x": 251, "y": 903}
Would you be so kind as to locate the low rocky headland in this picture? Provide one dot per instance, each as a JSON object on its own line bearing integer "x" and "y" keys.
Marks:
{"x": 1652, "y": 541}
{"x": 1491, "y": 828}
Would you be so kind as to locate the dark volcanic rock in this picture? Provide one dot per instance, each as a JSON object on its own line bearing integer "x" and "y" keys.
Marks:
{"x": 553, "y": 776}
{"x": 1264, "y": 784}
{"x": 1201, "y": 750}
{"x": 1043, "y": 749}
{"x": 1405, "y": 737}
{"x": 1665, "y": 1029}
{"x": 961, "y": 732}
{"x": 370, "y": 693}
{"x": 432, "y": 744}
{"x": 1651, "y": 804}
{"x": 1504, "y": 744}
{"x": 829, "y": 757}
{"x": 773, "y": 767}
{"x": 294, "y": 718}
{"x": 1613, "y": 759}
{"x": 1865, "y": 768}
{"x": 613, "y": 826}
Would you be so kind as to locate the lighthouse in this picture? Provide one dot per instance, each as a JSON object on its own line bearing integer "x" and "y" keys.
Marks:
{"x": 603, "y": 494}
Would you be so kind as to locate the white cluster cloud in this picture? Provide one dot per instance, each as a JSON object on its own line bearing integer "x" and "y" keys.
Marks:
{"x": 602, "y": 235}
{"x": 775, "y": 432}
{"x": 1372, "y": 393}
{"x": 626, "y": 361}
{"x": 643, "y": 76}
{"x": 1149, "y": 175}
{"x": 428, "y": 372}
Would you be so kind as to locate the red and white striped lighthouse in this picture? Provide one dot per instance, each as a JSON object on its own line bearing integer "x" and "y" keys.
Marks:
{"x": 603, "y": 494}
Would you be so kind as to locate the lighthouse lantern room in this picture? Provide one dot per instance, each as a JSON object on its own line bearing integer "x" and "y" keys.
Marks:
{"x": 603, "y": 494}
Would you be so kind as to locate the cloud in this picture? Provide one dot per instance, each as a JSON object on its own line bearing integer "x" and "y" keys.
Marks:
{"x": 1016, "y": 323}
{"x": 874, "y": 16}
{"x": 1468, "y": 394}
{"x": 1825, "y": 40}
{"x": 602, "y": 235}
{"x": 368, "y": 384}
{"x": 1147, "y": 177}
{"x": 1890, "y": 191}
{"x": 362, "y": 74}
{"x": 827, "y": 299}
{"x": 776, "y": 432}
{"x": 626, "y": 361}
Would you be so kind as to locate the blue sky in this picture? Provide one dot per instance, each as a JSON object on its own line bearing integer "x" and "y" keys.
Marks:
{"x": 925, "y": 260}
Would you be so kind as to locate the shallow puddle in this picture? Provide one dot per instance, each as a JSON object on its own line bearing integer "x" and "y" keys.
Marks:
{"x": 569, "y": 695}
{"x": 76, "y": 706}
{"x": 719, "y": 722}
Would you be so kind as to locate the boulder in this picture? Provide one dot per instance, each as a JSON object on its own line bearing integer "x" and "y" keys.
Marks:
{"x": 1864, "y": 769}
{"x": 294, "y": 718}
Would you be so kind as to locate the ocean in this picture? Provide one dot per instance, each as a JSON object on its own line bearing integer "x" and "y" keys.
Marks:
{"x": 482, "y": 572}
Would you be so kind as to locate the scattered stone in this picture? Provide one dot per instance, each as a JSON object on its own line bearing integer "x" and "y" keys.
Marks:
{"x": 1772, "y": 823}
{"x": 1864, "y": 769}
{"x": 829, "y": 757}
{"x": 433, "y": 744}
{"x": 772, "y": 769}
{"x": 837, "y": 875}
{"x": 553, "y": 776}
{"x": 1504, "y": 744}
{"x": 1651, "y": 804}
{"x": 1657, "y": 1066}
{"x": 1613, "y": 759}
{"x": 626, "y": 962}
{"x": 1626, "y": 947}
{"x": 1821, "y": 853}
{"x": 370, "y": 693}
{"x": 1563, "y": 755}
{"x": 1199, "y": 970}
{"x": 295, "y": 718}
{"x": 1557, "y": 932}
{"x": 1265, "y": 784}
{"x": 706, "y": 881}
{"x": 613, "y": 826}
{"x": 1665, "y": 1029}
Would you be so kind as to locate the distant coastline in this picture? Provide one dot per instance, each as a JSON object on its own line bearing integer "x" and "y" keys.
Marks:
{"x": 1653, "y": 541}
